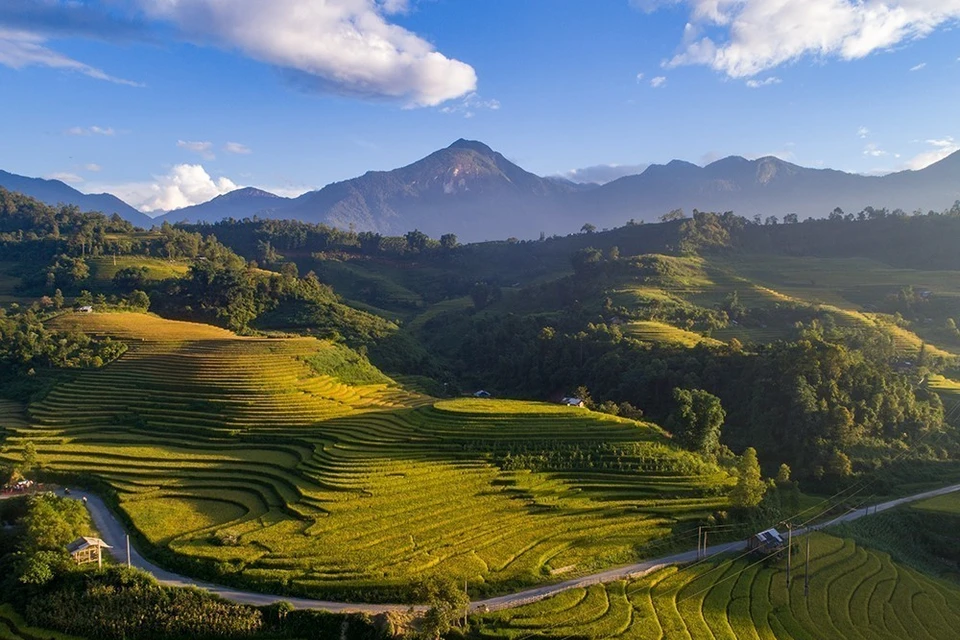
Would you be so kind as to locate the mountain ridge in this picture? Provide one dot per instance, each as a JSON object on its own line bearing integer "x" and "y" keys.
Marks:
{"x": 472, "y": 190}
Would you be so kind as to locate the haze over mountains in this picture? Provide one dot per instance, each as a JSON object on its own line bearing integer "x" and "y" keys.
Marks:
{"x": 475, "y": 192}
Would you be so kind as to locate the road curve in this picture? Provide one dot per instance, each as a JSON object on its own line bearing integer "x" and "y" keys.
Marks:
{"x": 113, "y": 533}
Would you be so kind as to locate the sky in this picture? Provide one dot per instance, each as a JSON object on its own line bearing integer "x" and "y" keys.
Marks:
{"x": 168, "y": 103}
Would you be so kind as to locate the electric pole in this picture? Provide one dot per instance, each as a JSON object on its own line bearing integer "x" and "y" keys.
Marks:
{"x": 699, "y": 539}
{"x": 789, "y": 552}
{"x": 128, "y": 551}
{"x": 806, "y": 573}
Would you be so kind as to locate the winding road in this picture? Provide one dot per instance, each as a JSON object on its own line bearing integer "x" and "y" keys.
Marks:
{"x": 113, "y": 533}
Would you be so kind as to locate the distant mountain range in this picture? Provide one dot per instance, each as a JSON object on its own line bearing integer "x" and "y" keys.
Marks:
{"x": 473, "y": 191}
{"x": 56, "y": 192}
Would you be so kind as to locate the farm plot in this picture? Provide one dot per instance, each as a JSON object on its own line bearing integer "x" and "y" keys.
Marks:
{"x": 854, "y": 593}
{"x": 239, "y": 454}
{"x": 104, "y": 268}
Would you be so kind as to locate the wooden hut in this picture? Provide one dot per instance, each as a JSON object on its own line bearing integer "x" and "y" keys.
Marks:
{"x": 85, "y": 550}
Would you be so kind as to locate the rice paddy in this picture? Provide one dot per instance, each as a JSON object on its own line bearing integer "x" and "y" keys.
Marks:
{"x": 240, "y": 454}
{"x": 853, "y": 593}
{"x": 662, "y": 333}
{"x": 104, "y": 268}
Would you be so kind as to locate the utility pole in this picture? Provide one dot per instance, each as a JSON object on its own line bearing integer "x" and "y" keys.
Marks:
{"x": 704, "y": 544}
{"x": 128, "y": 551}
{"x": 99, "y": 556}
{"x": 467, "y": 608}
{"x": 789, "y": 552}
{"x": 806, "y": 573}
{"x": 699, "y": 538}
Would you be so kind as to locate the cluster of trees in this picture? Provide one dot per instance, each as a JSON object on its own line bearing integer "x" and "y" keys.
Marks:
{"x": 27, "y": 344}
{"x": 816, "y": 403}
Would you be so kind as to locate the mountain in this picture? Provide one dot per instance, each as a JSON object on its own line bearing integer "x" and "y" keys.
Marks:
{"x": 471, "y": 190}
{"x": 768, "y": 186}
{"x": 55, "y": 192}
{"x": 239, "y": 204}
{"x": 467, "y": 188}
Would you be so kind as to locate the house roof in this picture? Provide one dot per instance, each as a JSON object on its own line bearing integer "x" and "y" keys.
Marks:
{"x": 770, "y": 536}
{"x": 85, "y": 543}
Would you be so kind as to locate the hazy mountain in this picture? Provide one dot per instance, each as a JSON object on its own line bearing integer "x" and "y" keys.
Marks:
{"x": 55, "y": 192}
{"x": 768, "y": 186}
{"x": 475, "y": 192}
{"x": 239, "y": 204}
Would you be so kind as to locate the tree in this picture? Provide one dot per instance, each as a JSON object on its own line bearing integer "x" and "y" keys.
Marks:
{"x": 58, "y": 299}
{"x": 588, "y": 228}
{"x": 586, "y": 259}
{"x": 483, "y": 294}
{"x": 791, "y": 218}
{"x": 449, "y": 241}
{"x": 416, "y": 241}
{"x": 697, "y": 419}
{"x": 446, "y": 604}
{"x": 783, "y": 474}
{"x": 29, "y": 456}
{"x": 676, "y": 214}
{"x": 139, "y": 300}
{"x": 750, "y": 488}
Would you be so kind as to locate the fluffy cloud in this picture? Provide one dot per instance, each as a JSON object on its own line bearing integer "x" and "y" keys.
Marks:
{"x": 21, "y": 49}
{"x": 863, "y": 132}
{"x": 183, "y": 186}
{"x": 341, "y": 46}
{"x": 874, "y": 151}
{"x": 347, "y": 47}
{"x": 94, "y": 167}
{"x": 742, "y": 38}
{"x": 756, "y": 84}
{"x": 237, "y": 148}
{"x": 91, "y": 131}
{"x": 603, "y": 173}
{"x": 938, "y": 150}
{"x": 204, "y": 149}
{"x": 658, "y": 82}
{"x": 919, "y": 67}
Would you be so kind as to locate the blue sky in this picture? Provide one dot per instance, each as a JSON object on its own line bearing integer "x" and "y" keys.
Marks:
{"x": 168, "y": 103}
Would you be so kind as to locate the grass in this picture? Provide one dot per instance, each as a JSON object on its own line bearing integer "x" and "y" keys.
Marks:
{"x": 854, "y": 593}
{"x": 949, "y": 504}
{"x": 104, "y": 268}
{"x": 283, "y": 464}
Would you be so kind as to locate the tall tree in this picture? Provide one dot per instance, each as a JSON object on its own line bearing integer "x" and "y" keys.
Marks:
{"x": 749, "y": 489}
{"x": 696, "y": 420}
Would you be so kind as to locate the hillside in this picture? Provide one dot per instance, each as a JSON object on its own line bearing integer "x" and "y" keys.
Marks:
{"x": 283, "y": 457}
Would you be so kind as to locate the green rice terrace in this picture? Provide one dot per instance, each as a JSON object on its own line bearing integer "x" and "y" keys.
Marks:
{"x": 854, "y": 592}
{"x": 292, "y": 464}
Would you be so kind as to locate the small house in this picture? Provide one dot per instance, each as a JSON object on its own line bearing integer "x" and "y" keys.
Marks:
{"x": 85, "y": 550}
{"x": 85, "y": 309}
{"x": 767, "y": 542}
{"x": 482, "y": 394}
{"x": 574, "y": 402}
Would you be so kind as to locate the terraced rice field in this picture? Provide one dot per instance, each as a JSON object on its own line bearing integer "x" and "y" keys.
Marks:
{"x": 13, "y": 627}
{"x": 855, "y": 593}
{"x": 949, "y": 504}
{"x": 662, "y": 333}
{"x": 235, "y": 451}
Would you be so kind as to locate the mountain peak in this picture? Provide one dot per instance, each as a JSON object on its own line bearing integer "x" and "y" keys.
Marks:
{"x": 472, "y": 145}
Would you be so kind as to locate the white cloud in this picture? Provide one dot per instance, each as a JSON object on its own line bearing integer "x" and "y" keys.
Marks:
{"x": 237, "y": 148}
{"x": 94, "y": 167}
{"x": 340, "y": 46}
{"x": 748, "y": 37}
{"x": 863, "y": 132}
{"x": 69, "y": 178}
{"x": 639, "y": 77}
{"x": 90, "y": 131}
{"x": 603, "y": 173}
{"x": 756, "y": 84}
{"x": 658, "y": 82}
{"x": 21, "y": 49}
{"x": 874, "y": 151}
{"x": 470, "y": 104}
{"x": 204, "y": 149}
{"x": 939, "y": 150}
{"x": 922, "y": 65}
{"x": 183, "y": 186}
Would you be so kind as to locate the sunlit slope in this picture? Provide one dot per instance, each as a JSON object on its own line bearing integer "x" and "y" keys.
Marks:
{"x": 278, "y": 473}
{"x": 854, "y": 593}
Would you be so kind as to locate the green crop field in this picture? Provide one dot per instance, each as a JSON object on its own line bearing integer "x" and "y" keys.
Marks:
{"x": 13, "y": 627}
{"x": 949, "y": 504}
{"x": 103, "y": 268}
{"x": 284, "y": 464}
{"x": 854, "y": 593}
